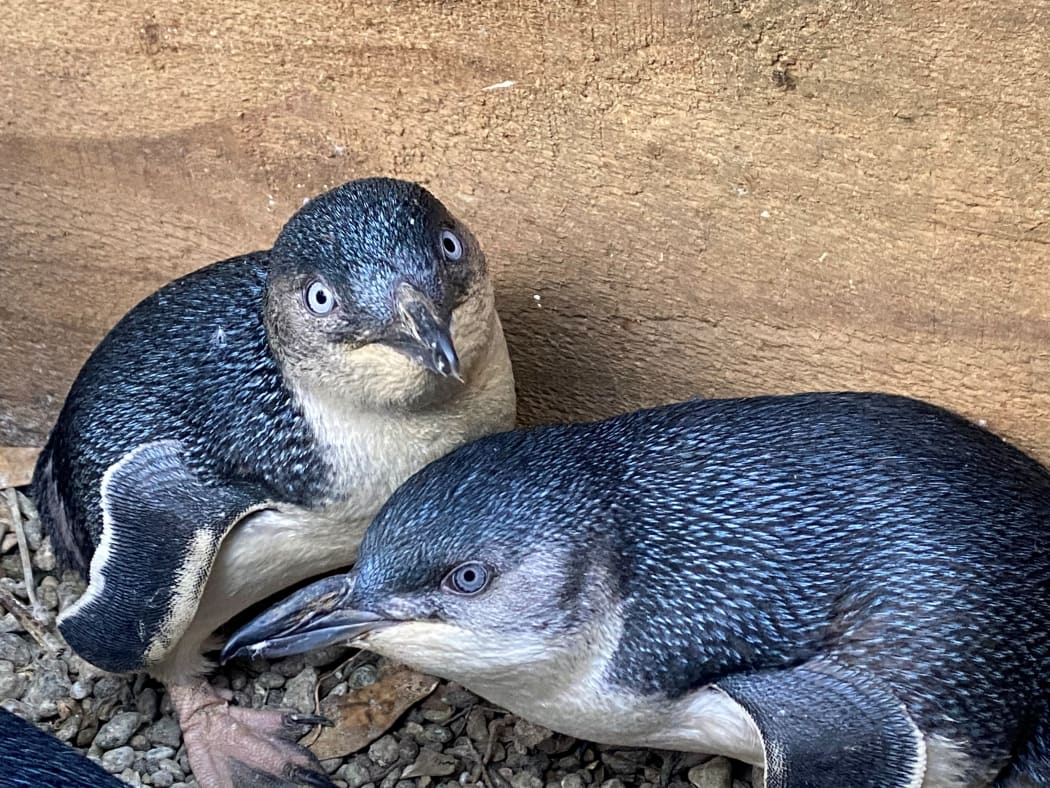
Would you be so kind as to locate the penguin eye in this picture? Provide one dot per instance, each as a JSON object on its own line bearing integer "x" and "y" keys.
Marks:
{"x": 319, "y": 298}
{"x": 451, "y": 246}
{"x": 468, "y": 579}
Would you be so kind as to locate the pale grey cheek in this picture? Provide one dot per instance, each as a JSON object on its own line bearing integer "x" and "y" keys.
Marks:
{"x": 406, "y": 608}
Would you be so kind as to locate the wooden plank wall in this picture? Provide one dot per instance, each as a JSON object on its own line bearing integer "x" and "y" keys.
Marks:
{"x": 677, "y": 198}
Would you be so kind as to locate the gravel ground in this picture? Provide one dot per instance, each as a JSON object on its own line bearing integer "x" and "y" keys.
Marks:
{"x": 452, "y": 738}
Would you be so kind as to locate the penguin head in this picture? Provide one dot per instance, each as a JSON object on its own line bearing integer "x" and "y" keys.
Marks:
{"x": 469, "y": 572}
{"x": 378, "y": 293}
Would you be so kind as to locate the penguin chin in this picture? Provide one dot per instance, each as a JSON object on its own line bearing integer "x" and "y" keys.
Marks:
{"x": 446, "y": 649}
{"x": 380, "y": 377}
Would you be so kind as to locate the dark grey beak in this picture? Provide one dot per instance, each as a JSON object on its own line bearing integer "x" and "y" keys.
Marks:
{"x": 312, "y": 618}
{"x": 422, "y": 334}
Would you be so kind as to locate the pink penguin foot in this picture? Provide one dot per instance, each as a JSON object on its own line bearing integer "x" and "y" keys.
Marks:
{"x": 232, "y": 746}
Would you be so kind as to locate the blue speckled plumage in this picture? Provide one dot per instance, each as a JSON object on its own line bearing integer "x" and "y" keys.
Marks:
{"x": 29, "y": 758}
{"x": 190, "y": 363}
{"x": 749, "y": 535}
{"x": 233, "y": 434}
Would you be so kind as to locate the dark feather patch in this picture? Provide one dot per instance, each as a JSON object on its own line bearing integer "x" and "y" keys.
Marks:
{"x": 192, "y": 364}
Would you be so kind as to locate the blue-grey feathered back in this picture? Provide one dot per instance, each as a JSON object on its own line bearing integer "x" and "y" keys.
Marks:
{"x": 189, "y": 363}
{"x": 756, "y": 533}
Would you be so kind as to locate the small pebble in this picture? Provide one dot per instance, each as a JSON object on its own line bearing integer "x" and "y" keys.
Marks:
{"x": 48, "y": 684}
{"x": 158, "y": 754}
{"x": 363, "y": 676}
{"x": 81, "y": 689}
{"x": 68, "y": 728}
{"x": 171, "y": 766}
{"x": 270, "y": 680}
{"x": 527, "y": 736}
{"x": 109, "y": 686}
{"x": 44, "y": 560}
{"x": 14, "y": 649}
{"x": 8, "y": 623}
{"x": 438, "y": 733}
{"x": 407, "y": 750}
{"x": 331, "y": 765}
{"x": 47, "y": 592}
{"x": 355, "y": 772}
{"x": 439, "y": 713}
{"x": 457, "y": 696}
{"x": 384, "y": 751}
{"x": 69, "y": 591}
{"x": 116, "y": 761}
{"x": 165, "y": 731}
{"x": 12, "y": 684}
{"x": 299, "y": 691}
{"x": 147, "y": 704}
{"x": 716, "y": 773}
{"x": 163, "y": 779}
{"x": 290, "y": 666}
{"x": 118, "y": 730}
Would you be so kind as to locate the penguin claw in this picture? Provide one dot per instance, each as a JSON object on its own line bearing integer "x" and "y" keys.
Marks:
{"x": 309, "y": 777}
{"x": 239, "y": 746}
{"x": 309, "y": 719}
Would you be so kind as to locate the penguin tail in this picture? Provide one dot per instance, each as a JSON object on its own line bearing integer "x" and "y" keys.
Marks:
{"x": 70, "y": 552}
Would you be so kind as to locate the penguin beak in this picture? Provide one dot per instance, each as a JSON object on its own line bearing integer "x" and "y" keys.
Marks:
{"x": 312, "y": 618}
{"x": 422, "y": 334}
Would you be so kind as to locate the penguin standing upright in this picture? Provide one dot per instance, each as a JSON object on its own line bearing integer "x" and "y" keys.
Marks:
{"x": 852, "y": 590}
{"x": 236, "y": 431}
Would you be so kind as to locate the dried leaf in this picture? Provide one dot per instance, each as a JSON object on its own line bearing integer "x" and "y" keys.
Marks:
{"x": 362, "y": 716}
{"x": 16, "y": 465}
{"x": 430, "y": 764}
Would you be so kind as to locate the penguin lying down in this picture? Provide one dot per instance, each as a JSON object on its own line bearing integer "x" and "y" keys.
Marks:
{"x": 849, "y": 589}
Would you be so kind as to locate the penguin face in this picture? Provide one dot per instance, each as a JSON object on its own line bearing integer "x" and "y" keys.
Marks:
{"x": 460, "y": 585}
{"x": 377, "y": 292}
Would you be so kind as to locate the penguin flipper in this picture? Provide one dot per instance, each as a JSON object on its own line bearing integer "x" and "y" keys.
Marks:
{"x": 825, "y": 726}
{"x": 161, "y": 530}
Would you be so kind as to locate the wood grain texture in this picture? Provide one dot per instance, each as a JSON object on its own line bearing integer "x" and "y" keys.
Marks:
{"x": 677, "y": 198}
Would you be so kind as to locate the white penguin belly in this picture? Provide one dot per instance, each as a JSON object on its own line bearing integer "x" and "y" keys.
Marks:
{"x": 706, "y": 721}
{"x": 264, "y": 553}
{"x": 273, "y": 548}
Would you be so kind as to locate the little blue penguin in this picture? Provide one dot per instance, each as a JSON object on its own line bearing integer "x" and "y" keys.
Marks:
{"x": 237, "y": 430}
{"x": 851, "y": 590}
{"x": 29, "y": 758}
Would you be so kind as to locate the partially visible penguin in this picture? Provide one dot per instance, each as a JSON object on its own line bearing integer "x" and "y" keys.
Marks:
{"x": 237, "y": 430}
{"x": 852, "y": 590}
{"x": 29, "y": 758}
